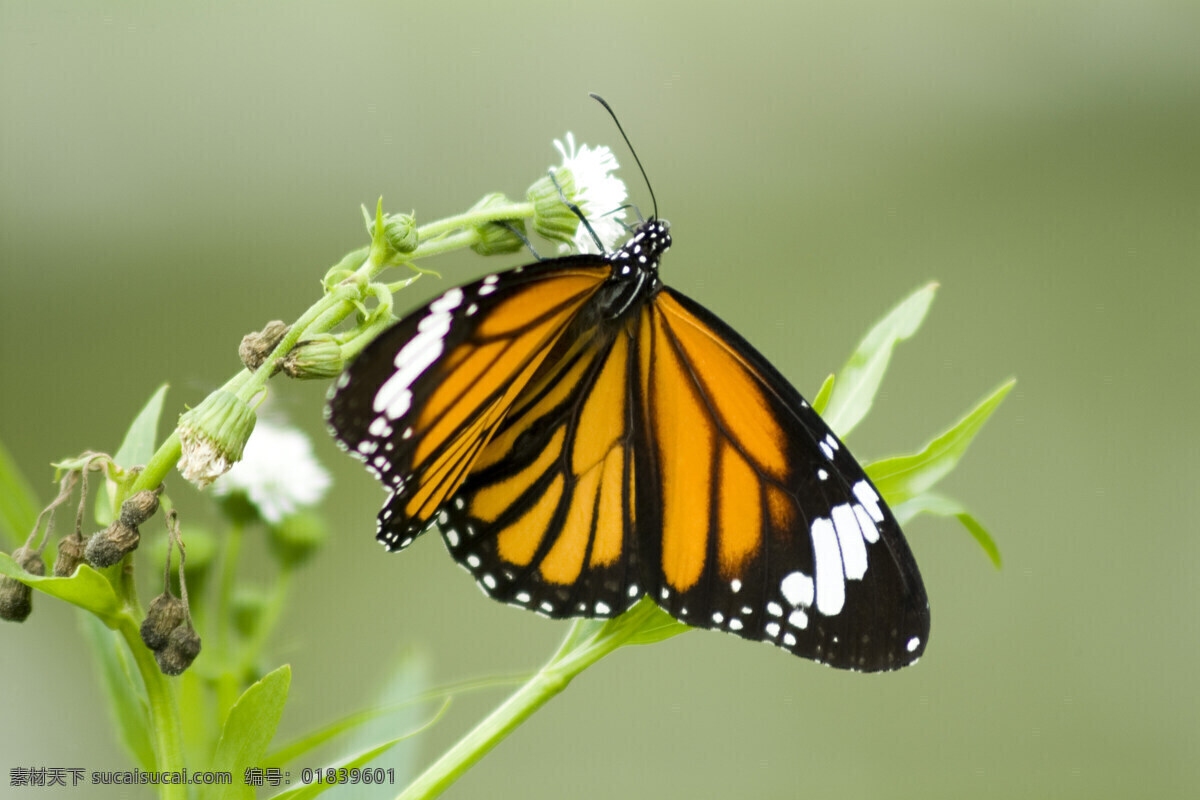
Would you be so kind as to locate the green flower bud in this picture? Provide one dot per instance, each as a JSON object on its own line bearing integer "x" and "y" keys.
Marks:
{"x": 317, "y": 358}
{"x": 257, "y": 345}
{"x": 183, "y": 645}
{"x": 248, "y": 608}
{"x": 16, "y": 599}
{"x": 70, "y": 555}
{"x": 297, "y": 538}
{"x": 400, "y": 230}
{"x": 493, "y": 237}
{"x": 213, "y": 436}
{"x": 552, "y": 218}
{"x": 166, "y": 613}
{"x": 111, "y": 544}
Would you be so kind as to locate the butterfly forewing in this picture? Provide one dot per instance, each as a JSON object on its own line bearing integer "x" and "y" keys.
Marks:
{"x": 793, "y": 544}
{"x": 545, "y": 521}
{"x": 420, "y": 403}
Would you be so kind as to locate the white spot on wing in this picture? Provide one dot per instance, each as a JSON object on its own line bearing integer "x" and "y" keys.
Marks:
{"x": 866, "y": 495}
{"x": 831, "y": 583}
{"x": 854, "y": 550}
{"x": 797, "y": 589}
{"x": 913, "y": 644}
{"x": 869, "y": 531}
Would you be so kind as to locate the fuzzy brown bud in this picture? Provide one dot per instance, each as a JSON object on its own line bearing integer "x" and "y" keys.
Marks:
{"x": 111, "y": 544}
{"x": 70, "y": 555}
{"x": 183, "y": 645}
{"x": 256, "y": 346}
{"x": 16, "y": 599}
{"x": 139, "y": 507}
{"x": 166, "y": 613}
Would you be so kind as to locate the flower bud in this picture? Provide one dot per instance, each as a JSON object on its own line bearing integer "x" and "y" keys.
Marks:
{"x": 139, "y": 507}
{"x": 166, "y": 613}
{"x": 400, "y": 230}
{"x": 183, "y": 645}
{"x": 16, "y": 599}
{"x": 111, "y": 544}
{"x": 256, "y": 346}
{"x": 70, "y": 555}
{"x": 552, "y": 218}
{"x": 212, "y": 436}
{"x": 495, "y": 238}
{"x": 296, "y": 538}
{"x": 249, "y": 606}
{"x": 317, "y": 358}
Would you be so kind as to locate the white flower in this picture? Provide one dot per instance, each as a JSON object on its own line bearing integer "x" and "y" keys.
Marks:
{"x": 278, "y": 472}
{"x": 598, "y": 193}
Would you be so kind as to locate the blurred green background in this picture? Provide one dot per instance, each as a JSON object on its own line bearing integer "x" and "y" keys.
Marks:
{"x": 172, "y": 177}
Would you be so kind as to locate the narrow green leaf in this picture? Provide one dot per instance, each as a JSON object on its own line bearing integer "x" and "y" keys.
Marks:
{"x": 87, "y": 589}
{"x": 409, "y": 678}
{"x": 859, "y": 380}
{"x": 140, "y": 439}
{"x": 357, "y": 761}
{"x": 126, "y": 695}
{"x": 136, "y": 449}
{"x": 294, "y": 749}
{"x": 942, "y": 506}
{"x": 18, "y": 502}
{"x": 902, "y": 478}
{"x": 822, "y": 399}
{"x": 657, "y": 626}
{"x": 249, "y": 729}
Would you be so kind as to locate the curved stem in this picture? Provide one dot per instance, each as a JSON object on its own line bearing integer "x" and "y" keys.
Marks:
{"x": 586, "y": 643}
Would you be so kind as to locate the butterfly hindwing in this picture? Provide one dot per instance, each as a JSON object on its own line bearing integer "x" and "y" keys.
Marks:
{"x": 546, "y": 519}
{"x": 421, "y": 401}
{"x": 792, "y": 544}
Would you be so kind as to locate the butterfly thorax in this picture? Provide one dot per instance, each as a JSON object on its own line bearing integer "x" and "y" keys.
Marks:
{"x": 635, "y": 269}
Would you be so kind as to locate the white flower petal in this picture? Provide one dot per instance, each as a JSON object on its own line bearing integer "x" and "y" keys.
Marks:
{"x": 598, "y": 193}
{"x": 278, "y": 472}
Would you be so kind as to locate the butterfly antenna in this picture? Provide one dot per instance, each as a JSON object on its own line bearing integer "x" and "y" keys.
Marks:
{"x": 577, "y": 211}
{"x": 613, "y": 114}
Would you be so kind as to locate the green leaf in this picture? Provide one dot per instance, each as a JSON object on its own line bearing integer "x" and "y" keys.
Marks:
{"x": 249, "y": 729}
{"x": 139, "y": 443}
{"x": 822, "y": 399}
{"x": 356, "y": 761}
{"x": 126, "y": 695}
{"x": 136, "y": 449}
{"x": 902, "y": 478}
{"x": 942, "y": 506}
{"x": 409, "y": 678}
{"x": 87, "y": 589}
{"x": 859, "y": 380}
{"x": 657, "y": 626}
{"x": 18, "y": 502}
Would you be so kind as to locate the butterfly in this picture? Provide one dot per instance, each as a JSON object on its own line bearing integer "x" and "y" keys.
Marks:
{"x": 583, "y": 436}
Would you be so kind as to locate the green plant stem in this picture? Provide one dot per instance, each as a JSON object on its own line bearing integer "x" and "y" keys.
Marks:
{"x": 165, "y": 725}
{"x": 586, "y": 643}
{"x": 328, "y": 312}
{"x": 228, "y": 677}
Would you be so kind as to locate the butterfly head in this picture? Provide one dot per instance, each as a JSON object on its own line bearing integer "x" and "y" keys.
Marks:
{"x": 644, "y": 249}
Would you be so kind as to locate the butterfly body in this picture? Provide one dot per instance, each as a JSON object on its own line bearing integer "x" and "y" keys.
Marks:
{"x": 584, "y": 435}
